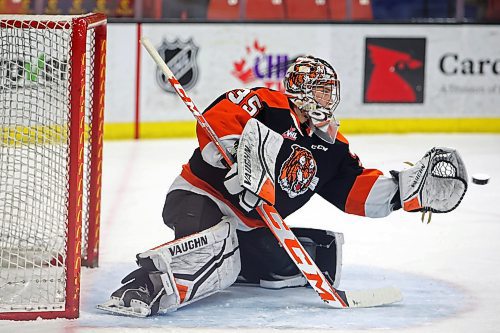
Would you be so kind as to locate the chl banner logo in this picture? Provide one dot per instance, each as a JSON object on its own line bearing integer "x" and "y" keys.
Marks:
{"x": 394, "y": 70}
{"x": 181, "y": 59}
{"x": 258, "y": 64}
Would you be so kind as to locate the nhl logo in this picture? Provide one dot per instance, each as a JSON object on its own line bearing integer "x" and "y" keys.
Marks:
{"x": 180, "y": 57}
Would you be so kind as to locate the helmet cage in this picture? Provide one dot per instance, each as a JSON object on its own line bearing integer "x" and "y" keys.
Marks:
{"x": 321, "y": 98}
{"x": 315, "y": 90}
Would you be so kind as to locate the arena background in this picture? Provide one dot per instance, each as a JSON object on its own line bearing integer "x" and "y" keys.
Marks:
{"x": 455, "y": 78}
{"x": 404, "y": 65}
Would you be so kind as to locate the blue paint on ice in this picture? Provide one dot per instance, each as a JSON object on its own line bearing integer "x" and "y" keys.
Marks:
{"x": 426, "y": 300}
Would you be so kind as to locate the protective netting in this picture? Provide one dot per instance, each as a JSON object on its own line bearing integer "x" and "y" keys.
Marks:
{"x": 444, "y": 169}
{"x": 35, "y": 69}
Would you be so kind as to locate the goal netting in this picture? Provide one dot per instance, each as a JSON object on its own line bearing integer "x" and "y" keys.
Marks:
{"x": 51, "y": 121}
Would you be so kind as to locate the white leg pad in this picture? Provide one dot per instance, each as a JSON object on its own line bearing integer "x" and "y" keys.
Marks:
{"x": 198, "y": 265}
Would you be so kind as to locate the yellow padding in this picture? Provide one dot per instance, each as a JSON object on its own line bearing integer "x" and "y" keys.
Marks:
{"x": 177, "y": 129}
{"x": 186, "y": 129}
{"x": 40, "y": 134}
{"x": 420, "y": 125}
{"x": 119, "y": 131}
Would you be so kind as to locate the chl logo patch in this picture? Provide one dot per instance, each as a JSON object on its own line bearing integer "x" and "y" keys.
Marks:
{"x": 298, "y": 172}
{"x": 290, "y": 134}
{"x": 394, "y": 70}
{"x": 181, "y": 59}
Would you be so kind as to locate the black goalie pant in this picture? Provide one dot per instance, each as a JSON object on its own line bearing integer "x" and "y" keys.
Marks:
{"x": 260, "y": 253}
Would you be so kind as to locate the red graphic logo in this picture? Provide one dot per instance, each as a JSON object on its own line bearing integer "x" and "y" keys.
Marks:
{"x": 394, "y": 70}
{"x": 298, "y": 172}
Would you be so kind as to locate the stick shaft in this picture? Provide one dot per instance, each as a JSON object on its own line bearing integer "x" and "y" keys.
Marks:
{"x": 187, "y": 100}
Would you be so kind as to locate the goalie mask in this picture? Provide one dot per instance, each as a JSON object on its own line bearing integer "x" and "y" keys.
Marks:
{"x": 313, "y": 87}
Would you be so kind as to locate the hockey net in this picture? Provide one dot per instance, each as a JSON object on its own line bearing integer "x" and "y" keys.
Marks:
{"x": 51, "y": 122}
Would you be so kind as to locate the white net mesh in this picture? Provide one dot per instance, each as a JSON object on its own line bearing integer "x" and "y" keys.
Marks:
{"x": 35, "y": 72}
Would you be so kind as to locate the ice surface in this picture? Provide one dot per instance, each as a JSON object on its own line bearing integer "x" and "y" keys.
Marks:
{"x": 448, "y": 271}
{"x": 426, "y": 300}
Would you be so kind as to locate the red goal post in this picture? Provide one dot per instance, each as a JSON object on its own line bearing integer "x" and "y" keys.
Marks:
{"x": 52, "y": 71}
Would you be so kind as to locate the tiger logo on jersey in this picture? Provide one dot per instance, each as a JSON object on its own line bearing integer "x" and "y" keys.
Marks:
{"x": 298, "y": 172}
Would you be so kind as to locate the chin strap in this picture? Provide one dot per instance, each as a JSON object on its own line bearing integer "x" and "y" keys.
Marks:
{"x": 327, "y": 133}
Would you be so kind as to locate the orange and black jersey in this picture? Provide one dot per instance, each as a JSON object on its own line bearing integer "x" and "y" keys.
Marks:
{"x": 305, "y": 163}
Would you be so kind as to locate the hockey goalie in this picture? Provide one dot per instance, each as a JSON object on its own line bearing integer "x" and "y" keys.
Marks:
{"x": 286, "y": 148}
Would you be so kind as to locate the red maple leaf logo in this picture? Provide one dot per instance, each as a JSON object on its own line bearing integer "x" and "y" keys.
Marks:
{"x": 243, "y": 73}
{"x": 242, "y": 70}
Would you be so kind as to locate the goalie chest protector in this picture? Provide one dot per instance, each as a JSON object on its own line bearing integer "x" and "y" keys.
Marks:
{"x": 305, "y": 163}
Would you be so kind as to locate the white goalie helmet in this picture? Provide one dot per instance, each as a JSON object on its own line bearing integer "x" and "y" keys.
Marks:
{"x": 313, "y": 86}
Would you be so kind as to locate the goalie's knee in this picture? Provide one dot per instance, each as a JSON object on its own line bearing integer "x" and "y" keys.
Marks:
{"x": 195, "y": 266}
{"x": 325, "y": 247}
{"x": 278, "y": 270}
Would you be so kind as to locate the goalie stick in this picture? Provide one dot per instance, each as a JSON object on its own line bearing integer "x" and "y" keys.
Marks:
{"x": 331, "y": 296}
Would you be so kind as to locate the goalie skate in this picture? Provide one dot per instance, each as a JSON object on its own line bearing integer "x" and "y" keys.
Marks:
{"x": 139, "y": 297}
{"x": 117, "y": 307}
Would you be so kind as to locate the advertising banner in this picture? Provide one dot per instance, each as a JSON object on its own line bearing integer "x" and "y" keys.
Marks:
{"x": 386, "y": 71}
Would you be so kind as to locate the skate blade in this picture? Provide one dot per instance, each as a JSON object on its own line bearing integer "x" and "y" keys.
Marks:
{"x": 113, "y": 306}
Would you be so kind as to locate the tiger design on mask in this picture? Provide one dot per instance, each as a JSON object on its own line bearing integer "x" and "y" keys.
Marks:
{"x": 298, "y": 172}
